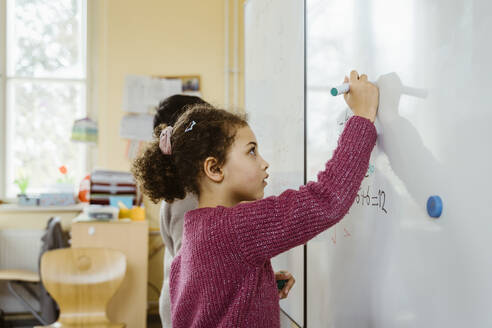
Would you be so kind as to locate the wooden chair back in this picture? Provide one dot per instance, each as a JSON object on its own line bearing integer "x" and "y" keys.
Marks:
{"x": 82, "y": 281}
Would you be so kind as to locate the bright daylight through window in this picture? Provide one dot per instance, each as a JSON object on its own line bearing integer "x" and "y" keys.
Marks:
{"x": 44, "y": 89}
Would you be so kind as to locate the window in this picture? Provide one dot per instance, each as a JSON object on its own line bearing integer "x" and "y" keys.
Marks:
{"x": 43, "y": 91}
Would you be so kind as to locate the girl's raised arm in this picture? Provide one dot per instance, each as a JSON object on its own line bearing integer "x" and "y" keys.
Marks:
{"x": 268, "y": 227}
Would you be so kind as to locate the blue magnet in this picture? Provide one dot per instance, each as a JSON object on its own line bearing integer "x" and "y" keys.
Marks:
{"x": 434, "y": 206}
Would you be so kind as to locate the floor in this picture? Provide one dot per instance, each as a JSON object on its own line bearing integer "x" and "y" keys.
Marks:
{"x": 153, "y": 321}
{"x": 28, "y": 321}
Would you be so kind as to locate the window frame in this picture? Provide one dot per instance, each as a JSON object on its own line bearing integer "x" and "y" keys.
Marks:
{"x": 3, "y": 100}
{"x": 87, "y": 12}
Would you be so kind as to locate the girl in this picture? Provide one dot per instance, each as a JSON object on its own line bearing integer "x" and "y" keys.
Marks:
{"x": 222, "y": 276}
{"x": 172, "y": 214}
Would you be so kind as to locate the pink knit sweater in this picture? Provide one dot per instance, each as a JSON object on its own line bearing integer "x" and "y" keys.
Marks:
{"x": 222, "y": 275}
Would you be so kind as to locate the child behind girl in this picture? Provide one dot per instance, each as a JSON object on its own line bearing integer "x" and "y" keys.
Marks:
{"x": 172, "y": 214}
{"x": 222, "y": 275}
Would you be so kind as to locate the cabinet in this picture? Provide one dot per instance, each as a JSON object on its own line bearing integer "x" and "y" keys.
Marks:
{"x": 129, "y": 304}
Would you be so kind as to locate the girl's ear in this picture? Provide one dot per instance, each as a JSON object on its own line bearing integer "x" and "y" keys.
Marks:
{"x": 212, "y": 169}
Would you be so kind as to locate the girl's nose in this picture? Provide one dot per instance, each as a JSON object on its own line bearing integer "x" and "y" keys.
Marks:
{"x": 265, "y": 165}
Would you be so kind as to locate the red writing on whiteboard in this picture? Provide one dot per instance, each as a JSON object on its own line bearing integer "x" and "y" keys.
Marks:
{"x": 333, "y": 237}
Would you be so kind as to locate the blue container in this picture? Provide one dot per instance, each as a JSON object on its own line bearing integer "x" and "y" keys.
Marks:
{"x": 126, "y": 200}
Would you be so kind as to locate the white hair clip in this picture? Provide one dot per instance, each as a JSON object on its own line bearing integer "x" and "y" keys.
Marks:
{"x": 190, "y": 127}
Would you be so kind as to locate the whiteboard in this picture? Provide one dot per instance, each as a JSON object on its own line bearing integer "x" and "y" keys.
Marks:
{"x": 388, "y": 263}
{"x": 274, "y": 100}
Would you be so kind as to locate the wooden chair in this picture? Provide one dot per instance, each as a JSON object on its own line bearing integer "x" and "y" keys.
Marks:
{"x": 82, "y": 281}
{"x": 28, "y": 282}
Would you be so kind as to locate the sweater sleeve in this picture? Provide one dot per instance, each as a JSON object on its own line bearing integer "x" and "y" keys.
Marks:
{"x": 268, "y": 227}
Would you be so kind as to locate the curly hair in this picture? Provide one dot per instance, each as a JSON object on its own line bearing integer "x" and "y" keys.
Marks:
{"x": 171, "y": 177}
{"x": 171, "y": 108}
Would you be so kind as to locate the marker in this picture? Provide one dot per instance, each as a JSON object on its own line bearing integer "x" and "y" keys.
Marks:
{"x": 341, "y": 89}
{"x": 385, "y": 81}
{"x": 281, "y": 283}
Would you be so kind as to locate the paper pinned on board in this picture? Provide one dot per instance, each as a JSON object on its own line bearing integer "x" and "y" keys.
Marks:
{"x": 137, "y": 127}
{"x": 193, "y": 93}
{"x": 164, "y": 88}
{"x": 134, "y": 94}
{"x": 142, "y": 93}
{"x": 133, "y": 149}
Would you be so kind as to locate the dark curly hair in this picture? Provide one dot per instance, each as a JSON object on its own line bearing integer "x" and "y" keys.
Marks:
{"x": 171, "y": 177}
{"x": 171, "y": 108}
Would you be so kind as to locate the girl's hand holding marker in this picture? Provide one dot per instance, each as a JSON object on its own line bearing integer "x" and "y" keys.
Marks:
{"x": 285, "y": 281}
{"x": 360, "y": 95}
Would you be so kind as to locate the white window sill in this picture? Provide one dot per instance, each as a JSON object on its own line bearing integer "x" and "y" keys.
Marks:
{"x": 17, "y": 208}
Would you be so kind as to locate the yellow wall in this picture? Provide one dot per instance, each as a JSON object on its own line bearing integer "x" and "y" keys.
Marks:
{"x": 156, "y": 37}
{"x": 152, "y": 37}
{"x": 148, "y": 37}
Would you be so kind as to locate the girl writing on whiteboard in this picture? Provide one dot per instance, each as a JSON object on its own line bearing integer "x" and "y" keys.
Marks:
{"x": 222, "y": 275}
{"x": 172, "y": 214}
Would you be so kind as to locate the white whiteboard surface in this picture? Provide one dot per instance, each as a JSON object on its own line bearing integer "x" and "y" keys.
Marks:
{"x": 274, "y": 99}
{"x": 388, "y": 264}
